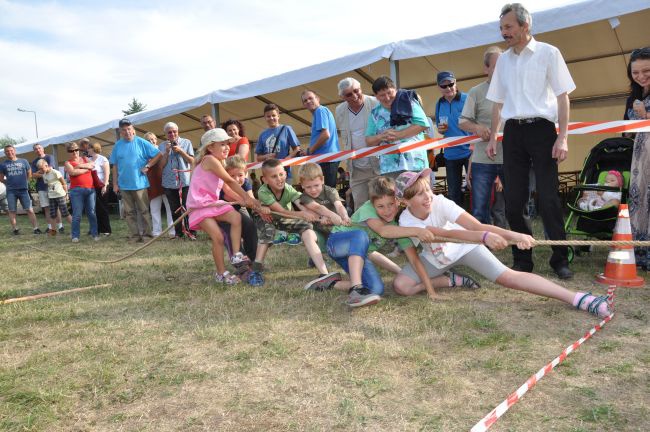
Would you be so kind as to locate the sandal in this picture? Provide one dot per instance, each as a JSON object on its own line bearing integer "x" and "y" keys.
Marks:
{"x": 594, "y": 305}
{"x": 466, "y": 281}
{"x": 226, "y": 278}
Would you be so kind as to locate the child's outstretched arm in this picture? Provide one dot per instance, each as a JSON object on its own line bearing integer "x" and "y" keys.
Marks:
{"x": 342, "y": 212}
{"x": 416, "y": 263}
{"x": 394, "y": 231}
{"x": 323, "y": 211}
{"x": 497, "y": 238}
{"x": 215, "y": 166}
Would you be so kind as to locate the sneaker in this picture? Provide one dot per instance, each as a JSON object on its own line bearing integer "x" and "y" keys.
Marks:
{"x": 16, "y": 231}
{"x": 465, "y": 281}
{"x": 106, "y": 234}
{"x": 51, "y": 232}
{"x": 361, "y": 296}
{"x": 238, "y": 259}
{"x": 255, "y": 278}
{"x": 96, "y": 238}
{"x": 294, "y": 239}
{"x": 75, "y": 240}
{"x": 226, "y": 278}
{"x": 61, "y": 230}
{"x": 280, "y": 238}
{"x": 323, "y": 282}
{"x": 38, "y": 231}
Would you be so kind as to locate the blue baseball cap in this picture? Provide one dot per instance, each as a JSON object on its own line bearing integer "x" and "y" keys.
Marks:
{"x": 445, "y": 76}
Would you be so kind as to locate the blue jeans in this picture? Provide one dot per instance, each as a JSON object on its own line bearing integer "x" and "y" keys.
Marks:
{"x": 330, "y": 170}
{"x": 455, "y": 179}
{"x": 341, "y": 245}
{"x": 483, "y": 176}
{"x": 81, "y": 198}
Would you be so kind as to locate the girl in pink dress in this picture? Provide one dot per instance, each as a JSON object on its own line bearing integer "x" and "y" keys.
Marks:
{"x": 208, "y": 178}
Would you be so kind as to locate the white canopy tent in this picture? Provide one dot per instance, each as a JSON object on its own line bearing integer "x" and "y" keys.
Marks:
{"x": 594, "y": 36}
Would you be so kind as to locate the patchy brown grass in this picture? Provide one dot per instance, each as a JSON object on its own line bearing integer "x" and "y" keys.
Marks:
{"x": 167, "y": 349}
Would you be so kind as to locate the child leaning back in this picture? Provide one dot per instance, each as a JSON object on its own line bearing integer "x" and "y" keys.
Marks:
{"x": 280, "y": 198}
{"x": 358, "y": 247}
{"x": 444, "y": 218}
{"x": 207, "y": 210}
{"x": 236, "y": 168}
{"x": 57, "y": 189}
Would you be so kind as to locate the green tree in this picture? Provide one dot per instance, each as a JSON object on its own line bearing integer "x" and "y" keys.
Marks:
{"x": 6, "y": 139}
{"x": 134, "y": 107}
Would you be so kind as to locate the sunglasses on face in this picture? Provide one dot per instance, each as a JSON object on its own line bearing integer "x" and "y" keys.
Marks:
{"x": 446, "y": 86}
{"x": 72, "y": 151}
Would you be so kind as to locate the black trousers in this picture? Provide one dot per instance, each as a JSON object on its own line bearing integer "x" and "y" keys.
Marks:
{"x": 101, "y": 210}
{"x": 523, "y": 145}
{"x": 175, "y": 204}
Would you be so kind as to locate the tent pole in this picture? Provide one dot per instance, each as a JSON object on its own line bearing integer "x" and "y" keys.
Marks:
{"x": 215, "y": 114}
{"x": 394, "y": 72}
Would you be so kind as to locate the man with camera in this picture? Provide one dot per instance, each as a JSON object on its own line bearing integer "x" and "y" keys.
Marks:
{"x": 177, "y": 161}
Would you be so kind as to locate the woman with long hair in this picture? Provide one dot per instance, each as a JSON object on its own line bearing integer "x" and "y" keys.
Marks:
{"x": 638, "y": 108}
{"x": 236, "y": 131}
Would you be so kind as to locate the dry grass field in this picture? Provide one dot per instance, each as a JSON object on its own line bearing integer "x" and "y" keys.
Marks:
{"x": 166, "y": 349}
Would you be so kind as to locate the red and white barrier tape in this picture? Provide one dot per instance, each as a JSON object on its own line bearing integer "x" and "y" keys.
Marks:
{"x": 487, "y": 421}
{"x": 575, "y": 128}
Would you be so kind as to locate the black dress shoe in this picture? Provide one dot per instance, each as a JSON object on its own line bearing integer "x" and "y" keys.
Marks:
{"x": 522, "y": 268}
{"x": 563, "y": 272}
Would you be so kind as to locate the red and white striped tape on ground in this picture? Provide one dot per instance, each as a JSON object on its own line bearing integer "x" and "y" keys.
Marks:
{"x": 576, "y": 128}
{"x": 487, "y": 421}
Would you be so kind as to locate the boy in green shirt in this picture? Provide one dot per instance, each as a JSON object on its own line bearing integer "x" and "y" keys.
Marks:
{"x": 280, "y": 198}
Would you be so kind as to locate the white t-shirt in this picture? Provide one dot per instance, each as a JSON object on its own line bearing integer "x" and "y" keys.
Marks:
{"x": 99, "y": 166}
{"x": 54, "y": 186}
{"x": 528, "y": 83}
{"x": 358, "y": 134}
{"x": 444, "y": 213}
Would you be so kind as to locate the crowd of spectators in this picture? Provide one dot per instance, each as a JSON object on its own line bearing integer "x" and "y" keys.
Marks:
{"x": 524, "y": 95}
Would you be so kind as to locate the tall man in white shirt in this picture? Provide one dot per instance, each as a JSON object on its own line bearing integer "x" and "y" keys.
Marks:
{"x": 530, "y": 89}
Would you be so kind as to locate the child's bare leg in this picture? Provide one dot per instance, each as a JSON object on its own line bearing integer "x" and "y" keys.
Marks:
{"x": 262, "y": 249}
{"x": 534, "y": 284}
{"x": 355, "y": 267}
{"x": 404, "y": 285}
{"x": 212, "y": 228}
{"x": 382, "y": 261}
{"x": 234, "y": 219}
{"x": 311, "y": 244}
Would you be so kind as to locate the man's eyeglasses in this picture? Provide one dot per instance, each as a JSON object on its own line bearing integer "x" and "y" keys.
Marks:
{"x": 352, "y": 93}
{"x": 446, "y": 86}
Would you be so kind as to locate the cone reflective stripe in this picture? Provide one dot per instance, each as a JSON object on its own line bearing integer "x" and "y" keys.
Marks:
{"x": 620, "y": 269}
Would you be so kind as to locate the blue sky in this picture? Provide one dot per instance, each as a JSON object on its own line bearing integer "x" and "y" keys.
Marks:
{"x": 78, "y": 63}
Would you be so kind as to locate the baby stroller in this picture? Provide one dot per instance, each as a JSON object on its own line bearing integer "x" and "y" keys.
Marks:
{"x": 609, "y": 154}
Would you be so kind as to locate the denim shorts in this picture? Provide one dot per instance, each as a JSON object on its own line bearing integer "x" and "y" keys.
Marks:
{"x": 21, "y": 194}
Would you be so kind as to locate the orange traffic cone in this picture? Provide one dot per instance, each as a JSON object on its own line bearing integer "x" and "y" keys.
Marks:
{"x": 620, "y": 269}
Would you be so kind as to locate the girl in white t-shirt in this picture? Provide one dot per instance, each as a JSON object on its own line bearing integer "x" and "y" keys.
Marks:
{"x": 446, "y": 219}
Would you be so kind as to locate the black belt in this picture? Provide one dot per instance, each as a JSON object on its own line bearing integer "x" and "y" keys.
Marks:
{"x": 527, "y": 120}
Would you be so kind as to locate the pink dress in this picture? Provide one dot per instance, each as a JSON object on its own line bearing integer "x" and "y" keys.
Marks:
{"x": 205, "y": 187}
